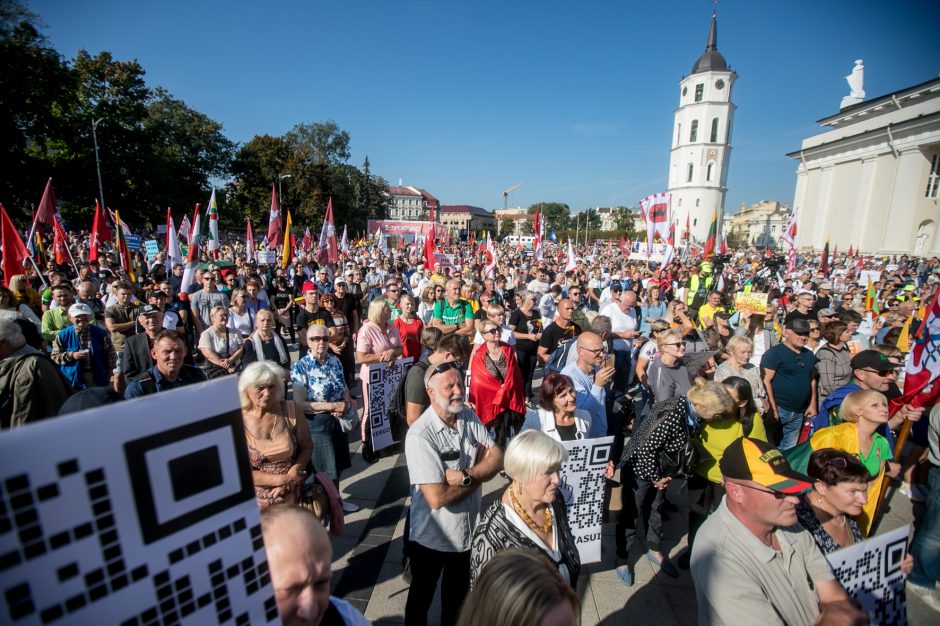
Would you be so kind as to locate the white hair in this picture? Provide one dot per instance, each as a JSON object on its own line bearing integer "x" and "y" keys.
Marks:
{"x": 261, "y": 373}
{"x": 531, "y": 453}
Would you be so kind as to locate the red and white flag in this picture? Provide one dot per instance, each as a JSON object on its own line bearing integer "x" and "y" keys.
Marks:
{"x": 249, "y": 242}
{"x": 492, "y": 259}
{"x": 186, "y": 229}
{"x": 307, "y": 240}
{"x": 657, "y": 209}
{"x": 344, "y": 244}
{"x": 922, "y": 375}
{"x": 723, "y": 248}
{"x": 572, "y": 261}
{"x": 173, "y": 253}
{"x": 14, "y": 250}
{"x": 192, "y": 258}
{"x": 539, "y": 230}
{"x": 788, "y": 236}
{"x": 624, "y": 245}
{"x": 99, "y": 232}
{"x": 670, "y": 245}
{"x": 328, "y": 250}
{"x": 60, "y": 243}
{"x": 274, "y": 222}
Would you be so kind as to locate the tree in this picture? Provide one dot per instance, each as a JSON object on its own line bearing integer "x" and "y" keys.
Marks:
{"x": 507, "y": 226}
{"x": 256, "y": 168}
{"x": 556, "y": 215}
{"x": 623, "y": 218}
{"x": 325, "y": 142}
{"x": 373, "y": 194}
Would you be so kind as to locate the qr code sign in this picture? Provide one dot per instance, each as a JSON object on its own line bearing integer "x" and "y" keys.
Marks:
{"x": 137, "y": 513}
{"x": 582, "y": 486}
{"x": 870, "y": 572}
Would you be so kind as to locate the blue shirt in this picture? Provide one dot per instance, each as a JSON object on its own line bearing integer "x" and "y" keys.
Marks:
{"x": 322, "y": 382}
{"x": 187, "y": 376}
{"x": 590, "y": 398}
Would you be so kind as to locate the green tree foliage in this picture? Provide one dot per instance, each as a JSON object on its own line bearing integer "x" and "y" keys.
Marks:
{"x": 557, "y": 215}
{"x": 623, "y": 218}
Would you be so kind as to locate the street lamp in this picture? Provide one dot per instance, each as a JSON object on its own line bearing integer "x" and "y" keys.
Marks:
{"x": 279, "y": 179}
{"x": 94, "y": 137}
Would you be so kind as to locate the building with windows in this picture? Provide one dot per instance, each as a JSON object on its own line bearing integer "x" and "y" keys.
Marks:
{"x": 757, "y": 225}
{"x": 464, "y": 219}
{"x": 519, "y": 216}
{"x": 410, "y": 203}
{"x": 701, "y": 144}
{"x": 871, "y": 180}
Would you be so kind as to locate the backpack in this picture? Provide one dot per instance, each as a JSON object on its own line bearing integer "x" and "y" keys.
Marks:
{"x": 559, "y": 358}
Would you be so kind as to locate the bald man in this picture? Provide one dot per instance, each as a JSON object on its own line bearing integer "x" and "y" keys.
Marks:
{"x": 300, "y": 558}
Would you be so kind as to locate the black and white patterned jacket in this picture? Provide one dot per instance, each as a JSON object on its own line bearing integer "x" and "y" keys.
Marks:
{"x": 664, "y": 429}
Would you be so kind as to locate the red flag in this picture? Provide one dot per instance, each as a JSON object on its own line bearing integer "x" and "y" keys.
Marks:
{"x": 306, "y": 242}
{"x": 59, "y": 243}
{"x": 429, "y": 253}
{"x": 824, "y": 260}
{"x": 850, "y": 250}
{"x": 99, "y": 232}
{"x": 14, "y": 250}
{"x": 431, "y": 219}
{"x": 723, "y": 249}
{"x": 328, "y": 249}
{"x": 624, "y": 245}
{"x": 47, "y": 210}
{"x": 274, "y": 222}
{"x": 922, "y": 378}
{"x": 688, "y": 231}
{"x": 249, "y": 242}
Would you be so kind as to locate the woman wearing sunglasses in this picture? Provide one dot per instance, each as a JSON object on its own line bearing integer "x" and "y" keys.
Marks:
{"x": 667, "y": 377}
{"x": 496, "y": 385}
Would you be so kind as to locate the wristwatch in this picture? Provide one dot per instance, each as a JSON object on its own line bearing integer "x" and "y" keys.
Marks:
{"x": 466, "y": 478}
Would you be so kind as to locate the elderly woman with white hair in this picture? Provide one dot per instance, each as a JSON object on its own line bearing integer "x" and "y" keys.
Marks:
{"x": 279, "y": 444}
{"x": 531, "y": 512}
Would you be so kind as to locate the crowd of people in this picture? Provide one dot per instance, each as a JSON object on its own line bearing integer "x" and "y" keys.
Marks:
{"x": 765, "y": 428}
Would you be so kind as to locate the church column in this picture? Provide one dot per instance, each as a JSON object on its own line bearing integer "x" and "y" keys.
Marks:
{"x": 823, "y": 202}
{"x": 865, "y": 214}
{"x": 899, "y": 235}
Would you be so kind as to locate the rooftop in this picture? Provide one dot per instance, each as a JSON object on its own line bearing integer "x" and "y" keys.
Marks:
{"x": 465, "y": 208}
{"x": 711, "y": 60}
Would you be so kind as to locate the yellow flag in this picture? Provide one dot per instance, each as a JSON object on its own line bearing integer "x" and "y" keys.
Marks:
{"x": 286, "y": 248}
{"x": 904, "y": 339}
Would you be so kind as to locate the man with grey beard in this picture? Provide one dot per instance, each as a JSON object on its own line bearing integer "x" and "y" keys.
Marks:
{"x": 450, "y": 455}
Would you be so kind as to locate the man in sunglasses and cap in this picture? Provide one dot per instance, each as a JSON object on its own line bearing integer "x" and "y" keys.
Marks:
{"x": 789, "y": 373}
{"x": 751, "y": 561}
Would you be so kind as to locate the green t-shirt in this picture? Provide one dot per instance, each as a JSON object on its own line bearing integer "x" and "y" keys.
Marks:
{"x": 455, "y": 315}
{"x": 879, "y": 453}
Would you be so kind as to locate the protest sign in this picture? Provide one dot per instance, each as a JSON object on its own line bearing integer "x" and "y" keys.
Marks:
{"x": 266, "y": 257}
{"x": 870, "y": 572}
{"x": 382, "y": 381}
{"x": 141, "y": 511}
{"x": 753, "y": 302}
{"x": 582, "y": 486}
{"x": 657, "y": 252}
{"x": 152, "y": 248}
{"x": 865, "y": 275}
{"x": 133, "y": 243}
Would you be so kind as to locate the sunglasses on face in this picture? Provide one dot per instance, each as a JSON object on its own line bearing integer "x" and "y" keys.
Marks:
{"x": 776, "y": 494}
{"x": 884, "y": 374}
{"x": 492, "y": 331}
{"x": 318, "y": 338}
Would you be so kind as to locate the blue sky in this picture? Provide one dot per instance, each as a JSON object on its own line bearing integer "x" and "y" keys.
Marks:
{"x": 466, "y": 98}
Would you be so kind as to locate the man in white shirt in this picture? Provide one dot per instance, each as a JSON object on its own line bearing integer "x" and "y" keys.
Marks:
{"x": 622, "y": 314}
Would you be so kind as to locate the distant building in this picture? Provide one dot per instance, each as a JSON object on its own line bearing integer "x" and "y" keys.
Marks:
{"x": 608, "y": 217}
{"x": 410, "y": 203}
{"x": 759, "y": 224}
{"x": 464, "y": 219}
{"x": 519, "y": 216}
{"x": 872, "y": 179}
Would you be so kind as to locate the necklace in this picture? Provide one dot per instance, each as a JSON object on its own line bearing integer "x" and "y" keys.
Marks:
{"x": 545, "y": 528}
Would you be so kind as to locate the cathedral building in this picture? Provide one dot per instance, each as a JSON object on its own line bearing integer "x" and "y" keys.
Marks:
{"x": 701, "y": 142}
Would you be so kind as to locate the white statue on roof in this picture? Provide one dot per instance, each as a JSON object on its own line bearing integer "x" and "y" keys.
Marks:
{"x": 856, "y": 81}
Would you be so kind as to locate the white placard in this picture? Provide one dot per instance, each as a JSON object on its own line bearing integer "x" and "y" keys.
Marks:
{"x": 266, "y": 257}
{"x": 864, "y": 275}
{"x": 136, "y": 512}
{"x": 382, "y": 379}
{"x": 582, "y": 485}
{"x": 870, "y": 572}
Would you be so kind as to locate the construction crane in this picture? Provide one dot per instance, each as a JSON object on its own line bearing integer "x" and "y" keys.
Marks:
{"x": 509, "y": 191}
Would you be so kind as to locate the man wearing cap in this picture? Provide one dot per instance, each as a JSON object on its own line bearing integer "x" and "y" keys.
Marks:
{"x": 751, "y": 561}
{"x": 823, "y": 296}
{"x": 84, "y": 353}
{"x": 137, "y": 357}
{"x": 789, "y": 373}
{"x": 311, "y": 313}
{"x": 871, "y": 370}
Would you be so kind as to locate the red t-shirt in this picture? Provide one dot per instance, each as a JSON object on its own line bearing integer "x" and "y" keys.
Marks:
{"x": 410, "y": 336}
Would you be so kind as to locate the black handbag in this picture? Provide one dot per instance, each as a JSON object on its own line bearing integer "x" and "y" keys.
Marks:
{"x": 683, "y": 462}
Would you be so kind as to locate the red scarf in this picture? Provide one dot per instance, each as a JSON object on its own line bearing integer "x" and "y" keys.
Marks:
{"x": 488, "y": 395}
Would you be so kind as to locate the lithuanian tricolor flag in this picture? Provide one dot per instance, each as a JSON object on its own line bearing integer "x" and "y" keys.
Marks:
{"x": 286, "y": 249}
{"x": 712, "y": 239}
{"x": 871, "y": 300}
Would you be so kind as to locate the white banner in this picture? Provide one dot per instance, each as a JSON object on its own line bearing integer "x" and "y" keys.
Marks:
{"x": 382, "y": 379}
{"x": 870, "y": 572}
{"x": 582, "y": 485}
{"x": 266, "y": 257}
{"x": 141, "y": 511}
{"x": 657, "y": 254}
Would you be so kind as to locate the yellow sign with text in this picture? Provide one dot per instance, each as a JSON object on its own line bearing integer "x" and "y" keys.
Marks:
{"x": 753, "y": 302}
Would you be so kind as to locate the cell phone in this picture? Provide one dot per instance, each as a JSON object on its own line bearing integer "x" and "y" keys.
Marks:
{"x": 610, "y": 361}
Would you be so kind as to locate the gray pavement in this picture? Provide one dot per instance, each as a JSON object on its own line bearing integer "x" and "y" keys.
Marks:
{"x": 367, "y": 559}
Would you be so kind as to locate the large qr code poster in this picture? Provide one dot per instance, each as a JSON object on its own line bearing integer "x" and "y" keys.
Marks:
{"x": 140, "y": 512}
{"x": 382, "y": 381}
{"x": 870, "y": 572}
{"x": 582, "y": 485}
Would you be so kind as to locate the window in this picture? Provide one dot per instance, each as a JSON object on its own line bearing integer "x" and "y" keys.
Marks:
{"x": 688, "y": 178}
{"x": 708, "y": 172}
{"x": 693, "y": 133}
{"x": 696, "y": 203}
{"x": 933, "y": 180}
{"x": 714, "y": 135}
{"x": 699, "y": 92}
{"x": 695, "y": 222}
{"x": 679, "y": 133}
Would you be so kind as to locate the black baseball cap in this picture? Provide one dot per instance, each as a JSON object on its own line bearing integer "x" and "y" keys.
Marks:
{"x": 799, "y": 325}
{"x": 148, "y": 309}
{"x": 872, "y": 360}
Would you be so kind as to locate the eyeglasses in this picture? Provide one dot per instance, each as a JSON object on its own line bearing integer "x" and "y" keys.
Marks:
{"x": 492, "y": 331}
{"x": 884, "y": 374}
{"x": 440, "y": 368}
{"x": 776, "y": 494}
{"x": 318, "y": 338}
{"x": 594, "y": 351}
{"x": 676, "y": 345}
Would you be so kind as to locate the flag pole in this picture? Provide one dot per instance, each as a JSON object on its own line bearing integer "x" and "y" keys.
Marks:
{"x": 38, "y": 271}
{"x": 67, "y": 249}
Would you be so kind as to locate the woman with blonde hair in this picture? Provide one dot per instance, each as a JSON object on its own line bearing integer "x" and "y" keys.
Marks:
{"x": 378, "y": 341}
{"x": 667, "y": 377}
{"x": 24, "y": 294}
{"x": 428, "y": 298}
{"x": 520, "y": 587}
{"x": 660, "y": 451}
{"x": 221, "y": 347}
{"x": 862, "y": 413}
{"x": 652, "y": 307}
{"x": 531, "y": 511}
{"x": 279, "y": 444}
{"x": 240, "y": 319}
{"x": 740, "y": 348}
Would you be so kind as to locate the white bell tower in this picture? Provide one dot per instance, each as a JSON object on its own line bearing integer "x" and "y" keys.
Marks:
{"x": 701, "y": 142}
